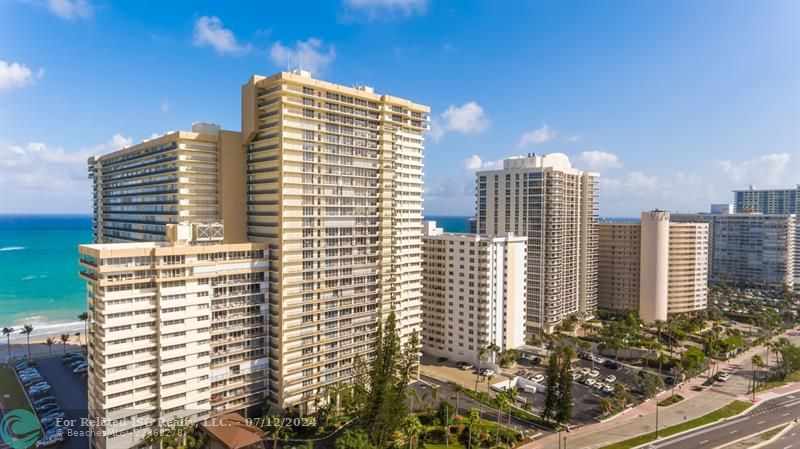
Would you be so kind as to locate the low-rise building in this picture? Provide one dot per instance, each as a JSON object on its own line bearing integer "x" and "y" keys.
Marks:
{"x": 177, "y": 331}
{"x": 655, "y": 267}
{"x": 473, "y": 293}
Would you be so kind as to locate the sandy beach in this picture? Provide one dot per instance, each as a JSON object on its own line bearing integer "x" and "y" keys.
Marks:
{"x": 19, "y": 349}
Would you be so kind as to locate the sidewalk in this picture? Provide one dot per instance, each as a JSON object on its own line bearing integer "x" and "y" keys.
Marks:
{"x": 641, "y": 419}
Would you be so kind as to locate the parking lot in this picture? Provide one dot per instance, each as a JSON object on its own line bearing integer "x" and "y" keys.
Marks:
{"x": 60, "y": 398}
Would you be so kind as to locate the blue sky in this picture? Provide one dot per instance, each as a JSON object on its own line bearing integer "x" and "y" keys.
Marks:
{"x": 674, "y": 103}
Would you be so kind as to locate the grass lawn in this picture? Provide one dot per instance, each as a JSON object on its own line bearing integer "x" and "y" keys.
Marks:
{"x": 734, "y": 408}
{"x": 670, "y": 400}
{"x": 771, "y": 433}
{"x": 11, "y": 393}
{"x": 792, "y": 377}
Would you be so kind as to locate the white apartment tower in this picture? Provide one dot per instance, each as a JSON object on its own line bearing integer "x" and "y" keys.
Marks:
{"x": 555, "y": 206}
{"x": 473, "y": 293}
{"x": 177, "y": 331}
{"x": 334, "y": 188}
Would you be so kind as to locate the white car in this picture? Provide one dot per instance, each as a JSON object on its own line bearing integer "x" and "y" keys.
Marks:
{"x": 589, "y": 382}
{"x": 599, "y": 386}
{"x": 598, "y": 359}
{"x": 576, "y": 376}
{"x": 594, "y": 373}
{"x": 723, "y": 377}
{"x": 539, "y": 378}
{"x": 486, "y": 372}
{"x": 610, "y": 379}
{"x": 608, "y": 389}
{"x": 585, "y": 371}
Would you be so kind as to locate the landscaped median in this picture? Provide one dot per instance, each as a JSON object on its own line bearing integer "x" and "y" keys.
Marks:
{"x": 732, "y": 409}
{"x": 492, "y": 402}
{"x": 12, "y": 395}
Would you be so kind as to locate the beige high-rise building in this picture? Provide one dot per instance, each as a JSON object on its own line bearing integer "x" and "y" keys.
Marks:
{"x": 555, "y": 206}
{"x": 179, "y": 177}
{"x": 177, "y": 331}
{"x": 473, "y": 293}
{"x": 655, "y": 267}
{"x": 334, "y": 187}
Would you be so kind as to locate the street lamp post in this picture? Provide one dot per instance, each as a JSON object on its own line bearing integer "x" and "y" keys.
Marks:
{"x": 565, "y": 442}
{"x": 656, "y": 417}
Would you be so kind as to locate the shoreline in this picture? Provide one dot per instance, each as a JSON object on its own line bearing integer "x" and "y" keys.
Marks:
{"x": 19, "y": 350}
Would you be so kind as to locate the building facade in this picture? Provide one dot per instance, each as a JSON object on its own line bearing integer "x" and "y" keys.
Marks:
{"x": 655, "y": 267}
{"x": 773, "y": 201}
{"x": 473, "y": 294}
{"x": 767, "y": 201}
{"x": 749, "y": 247}
{"x": 171, "y": 179}
{"x": 555, "y": 206}
{"x": 334, "y": 188}
{"x": 177, "y": 331}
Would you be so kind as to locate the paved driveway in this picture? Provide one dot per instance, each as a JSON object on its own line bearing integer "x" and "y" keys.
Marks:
{"x": 71, "y": 394}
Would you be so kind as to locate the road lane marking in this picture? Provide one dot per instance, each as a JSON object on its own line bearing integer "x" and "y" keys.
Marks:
{"x": 704, "y": 442}
{"x": 759, "y": 423}
{"x": 734, "y": 431}
{"x": 785, "y": 414}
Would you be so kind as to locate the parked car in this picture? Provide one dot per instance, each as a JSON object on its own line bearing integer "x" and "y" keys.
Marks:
{"x": 608, "y": 389}
{"x": 464, "y": 365}
{"x": 723, "y": 377}
{"x": 610, "y": 379}
{"x": 77, "y": 363}
{"x": 669, "y": 380}
{"x": 441, "y": 359}
{"x": 487, "y": 372}
{"x": 46, "y": 407}
{"x": 593, "y": 373}
{"x": 585, "y": 371}
{"x": 39, "y": 392}
{"x": 21, "y": 366}
{"x": 611, "y": 364}
{"x": 33, "y": 380}
{"x": 45, "y": 400}
{"x": 598, "y": 385}
{"x": 576, "y": 376}
{"x": 589, "y": 381}
{"x": 81, "y": 369}
{"x": 599, "y": 359}
{"x": 538, "y": 378}
{"x": 50, "y": 439}
{"x": 536, "y": 360}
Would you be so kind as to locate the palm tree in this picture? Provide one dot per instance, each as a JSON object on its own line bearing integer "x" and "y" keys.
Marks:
{"x": 50, "y": 342}
{"x": 7, "y": 331}
{"x": 481, "y": 354}
{"x": 756, "y": 363}
{"x": 472, "y": 418}
{"x": 412, "y": 428}
{"x": 64, "y": 340}
{"x": 513, "y": 392}
{"x": 85, "y": 318}
{"x": 27, "y": 329}
{"x": 501, "y": 399}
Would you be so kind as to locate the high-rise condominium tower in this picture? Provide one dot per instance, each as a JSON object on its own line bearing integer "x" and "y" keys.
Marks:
{"x": 179, "y": 177}
{"x": 334, "y": 187}
{"x": 473, "y": 293}
{"x": 749, "y": 247}
{"x": 177, "y": 331}
{"x": 555, "y": 206}
{"x": 655, "y": 267}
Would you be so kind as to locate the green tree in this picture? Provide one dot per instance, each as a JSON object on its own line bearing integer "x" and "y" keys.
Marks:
{"x": 64, "y": 339}
{"x": 7, "y": 331}
{"x": 412, "y": 428}
{"x": 26, "y": 330}
{"x": 85, "y": 318}
{"x": 481, "y": 354}
{"x": 551, "y": 391}
{"x": 50, "y": 342}
{"x": 473, "y": 418}
{"x": 649, "y": 384}
{"x": 756, "y": 362}
{"x": 354, "y": 439}
{"x": 564, "y": 403}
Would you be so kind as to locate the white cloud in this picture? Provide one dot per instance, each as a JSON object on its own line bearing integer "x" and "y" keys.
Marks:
{"x": 537, "y": 136}
{"x": 166, "y": 106}
{"x": 599, "y": 160}
{"x": 769, "y": 170}
{"x": 383, "y": 9}
{"x": 35, "y": 177}
{"x": 474, "y": 163}
{"x": 468, "y": 118}
{"x": 309, "y": 55}
{"x": 14, "y": 75}
{"x": 71, "y": 9}
{"x": 209, "y": 31}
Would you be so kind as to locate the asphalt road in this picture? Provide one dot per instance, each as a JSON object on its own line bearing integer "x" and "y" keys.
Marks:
{"x": 70, "y": 391}
{"x": 769, "y": 414}
{"x": 789, "y": 440}
{"x": 465, "y": 404}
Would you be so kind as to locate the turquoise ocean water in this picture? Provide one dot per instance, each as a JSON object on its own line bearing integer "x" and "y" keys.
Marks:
{"x": 39, "y": 284}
